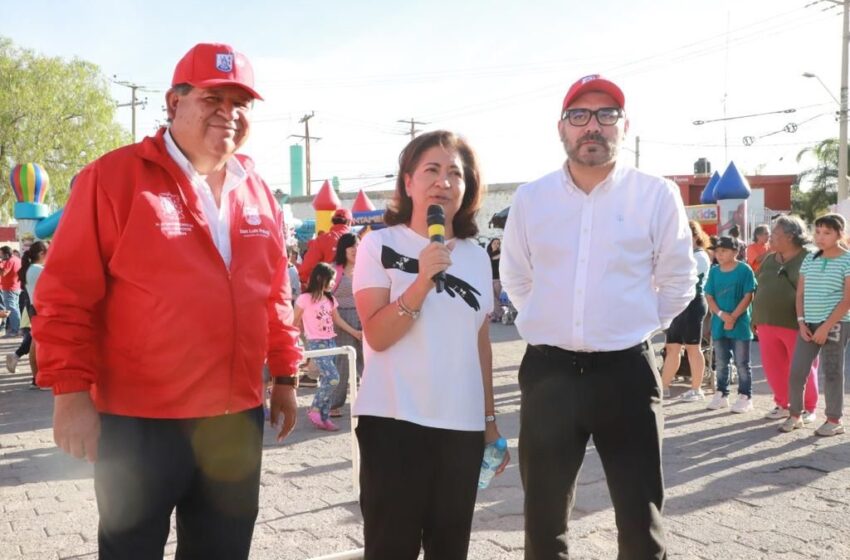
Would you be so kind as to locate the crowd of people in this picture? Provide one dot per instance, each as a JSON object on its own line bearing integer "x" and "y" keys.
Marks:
{"x": 157, "y": 377}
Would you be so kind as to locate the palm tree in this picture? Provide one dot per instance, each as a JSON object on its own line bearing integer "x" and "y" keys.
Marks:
{"x": 823, "y": 179}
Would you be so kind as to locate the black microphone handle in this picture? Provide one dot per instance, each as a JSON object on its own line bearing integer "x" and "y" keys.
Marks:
{"x": 440, "y": 281}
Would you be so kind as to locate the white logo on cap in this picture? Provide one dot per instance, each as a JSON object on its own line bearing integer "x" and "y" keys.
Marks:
{"x": 224, "y": 62}
{"x": 589, "y": 78}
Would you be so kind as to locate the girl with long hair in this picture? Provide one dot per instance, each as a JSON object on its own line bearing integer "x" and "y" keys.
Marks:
{"x": 823, "y": 315}
{"x": 316, "y": 310}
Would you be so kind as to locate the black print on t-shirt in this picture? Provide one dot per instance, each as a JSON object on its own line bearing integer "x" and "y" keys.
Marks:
{"x": 454, "y": 285}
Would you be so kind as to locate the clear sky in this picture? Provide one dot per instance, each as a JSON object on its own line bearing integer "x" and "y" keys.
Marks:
{"x": 491, "y": 70}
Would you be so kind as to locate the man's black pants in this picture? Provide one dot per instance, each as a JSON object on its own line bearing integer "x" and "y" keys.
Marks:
{"x": 417, "y": 489}
{"x": 568, "y": 397}
{"x": 207, "y": 468}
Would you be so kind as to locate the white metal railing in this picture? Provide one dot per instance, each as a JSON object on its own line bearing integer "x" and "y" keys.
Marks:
{"x": 356, "y": 554}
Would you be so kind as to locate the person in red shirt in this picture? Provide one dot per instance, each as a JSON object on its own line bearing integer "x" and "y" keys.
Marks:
{"x": 10, "y": 287}
{"x": 323, "y": 248}
{"x": 165, "y": 292}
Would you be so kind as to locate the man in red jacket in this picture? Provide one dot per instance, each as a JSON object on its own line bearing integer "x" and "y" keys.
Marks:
{"x": 323, "y": 248}
{"x": 165, "y": 291}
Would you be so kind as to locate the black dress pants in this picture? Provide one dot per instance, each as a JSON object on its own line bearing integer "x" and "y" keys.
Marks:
{"x": 417, "y": 489}
{"x": 567, "y": 397}
{"x": 206, "y": 468}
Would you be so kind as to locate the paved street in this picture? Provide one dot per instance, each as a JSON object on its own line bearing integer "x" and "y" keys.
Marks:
{"x": 737, "y": 488}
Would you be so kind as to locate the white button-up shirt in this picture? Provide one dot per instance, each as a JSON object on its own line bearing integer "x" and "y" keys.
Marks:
{"x": 598, "y": 271}
{"x": 217, "y": 216}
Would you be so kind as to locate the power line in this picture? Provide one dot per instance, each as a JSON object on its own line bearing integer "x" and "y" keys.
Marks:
{"x": 134, "y": 102}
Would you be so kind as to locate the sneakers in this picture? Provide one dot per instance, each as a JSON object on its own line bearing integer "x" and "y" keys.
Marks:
{"x": 307, "y": 381}
{"x": 11, "y": 362}
{"x": 315, "y": 418}
{"x": 718, "y": 401}
{"x": 778, "y": 413}
{"x": 743, "y": 404}
{"x": 692, "y": 395}
{"x": 829, "y": 429}
{"x": 791, "y": 423}
{"x": 809, "y": 417}
{"x": 665, "y": 392}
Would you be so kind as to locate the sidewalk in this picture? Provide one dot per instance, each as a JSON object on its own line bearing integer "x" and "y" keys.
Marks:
{"x": 736, "y": 487}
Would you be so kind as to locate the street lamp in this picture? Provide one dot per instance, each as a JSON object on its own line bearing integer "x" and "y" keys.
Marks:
{"x": 829, "y": 91}
{"x": 842, "y": 119}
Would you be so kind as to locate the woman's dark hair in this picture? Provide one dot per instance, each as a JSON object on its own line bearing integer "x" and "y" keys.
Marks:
{"x": 36, "y": 251}
{"x": 760, "y": 229}
{"x": 701, "y": 238}
{"x": 400, "y": 208}
{"x": 834, "y": 222}
{"x": 320, "y": 280}
{"x": 346, "y": 240}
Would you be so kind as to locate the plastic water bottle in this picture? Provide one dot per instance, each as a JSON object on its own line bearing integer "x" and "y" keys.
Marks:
{"x": 494, "y": 454}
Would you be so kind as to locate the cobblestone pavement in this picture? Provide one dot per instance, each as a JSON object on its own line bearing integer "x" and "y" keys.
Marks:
{"x": 736, "y": 488}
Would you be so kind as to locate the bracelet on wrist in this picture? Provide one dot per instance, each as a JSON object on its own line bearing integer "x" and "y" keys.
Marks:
{"x": 801, "y": 319}
{"x": 488, "y": 418}
{"x": 405, "y": 310}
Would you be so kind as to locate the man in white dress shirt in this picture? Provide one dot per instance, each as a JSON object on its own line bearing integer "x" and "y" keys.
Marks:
{"x": 596, "y": 256}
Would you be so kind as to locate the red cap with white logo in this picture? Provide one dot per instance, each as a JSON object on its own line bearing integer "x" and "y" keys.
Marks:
{"x": 209, "y": 65}
{"x": 594, "y": 82}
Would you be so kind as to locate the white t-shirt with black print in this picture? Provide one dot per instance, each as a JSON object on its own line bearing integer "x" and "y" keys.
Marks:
{"x": 432, "y": 375}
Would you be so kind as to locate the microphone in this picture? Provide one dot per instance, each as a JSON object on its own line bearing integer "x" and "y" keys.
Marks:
{"x": 437, "y": 232}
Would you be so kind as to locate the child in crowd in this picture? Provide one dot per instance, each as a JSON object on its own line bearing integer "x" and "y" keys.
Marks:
{"x": 823, "y": 314}
{"x": 316, "y": 310}
{"x": 728, "y": 292}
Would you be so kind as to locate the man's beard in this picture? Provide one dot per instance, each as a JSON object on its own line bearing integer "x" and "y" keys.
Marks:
{"x": 606, "y": 150}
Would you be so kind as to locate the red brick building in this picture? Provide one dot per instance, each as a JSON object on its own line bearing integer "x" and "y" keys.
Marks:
{"x": 777, "y": 188}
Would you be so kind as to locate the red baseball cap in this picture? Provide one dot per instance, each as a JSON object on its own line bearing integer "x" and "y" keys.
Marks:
{"x": 594, "y": 82}
{"x": 215, "y": 64}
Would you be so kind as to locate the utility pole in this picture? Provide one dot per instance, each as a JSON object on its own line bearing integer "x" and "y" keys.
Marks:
{"x": 413, "y": 124}
{"x": 637, "y": 152}
{"x": 306, "y": 137}
{"x": 134, "y": 102}
{"x": 842, "y": 112}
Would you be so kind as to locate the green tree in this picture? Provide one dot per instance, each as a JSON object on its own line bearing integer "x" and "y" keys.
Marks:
{"x": 822, "y": 179}
{"x": 53, "y": 112}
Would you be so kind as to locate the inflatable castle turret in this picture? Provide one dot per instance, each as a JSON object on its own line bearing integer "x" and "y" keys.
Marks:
{"x": 732, "y": 192}
{"x": 325, "y": 203}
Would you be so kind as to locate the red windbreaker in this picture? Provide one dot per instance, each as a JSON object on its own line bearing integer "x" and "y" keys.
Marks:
{"x": 321, "y": 249}
{"x": 136, "y": 301}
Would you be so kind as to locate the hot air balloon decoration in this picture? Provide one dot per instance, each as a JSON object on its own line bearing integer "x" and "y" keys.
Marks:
{"x": 29, "y": 182}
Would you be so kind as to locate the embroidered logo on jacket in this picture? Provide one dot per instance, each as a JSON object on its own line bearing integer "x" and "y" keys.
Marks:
{"x": 253, "y": 219}
{"x": 252, "y": 215}
{"x": 171, "y": 216}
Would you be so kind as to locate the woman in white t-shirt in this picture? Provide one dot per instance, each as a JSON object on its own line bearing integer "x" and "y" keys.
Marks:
{"x": 425, "y": 407}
